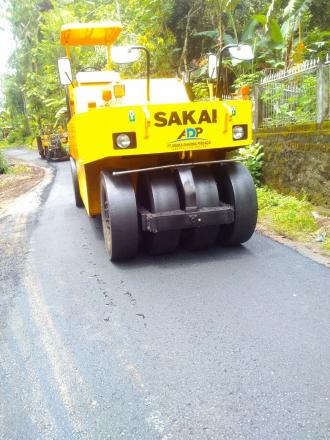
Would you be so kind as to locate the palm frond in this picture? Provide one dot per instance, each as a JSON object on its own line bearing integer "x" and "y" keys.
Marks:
{"x": 296, "y": 8}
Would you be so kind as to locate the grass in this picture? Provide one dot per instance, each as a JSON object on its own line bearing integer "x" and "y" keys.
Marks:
{"x": 19, "y": 169}
{"x": 286, "y": 215}
{"x": 27, "y": 142}
{"x": 4, "y": 144}
{"x": 293, "y": 218}
{"x": 326, "y": 245}
{"x": 6, "y": 168}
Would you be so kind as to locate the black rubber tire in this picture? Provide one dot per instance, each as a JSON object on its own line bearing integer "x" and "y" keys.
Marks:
{"x": 119, "y": 216}
{"x": 157, "y": 192}
{"x": 40, "y": 147}
{"x": 207, "y": 195}
{"x": 236, "y": 187}
{"x": 74, "y": 174}
{"x": 48, "y": 154}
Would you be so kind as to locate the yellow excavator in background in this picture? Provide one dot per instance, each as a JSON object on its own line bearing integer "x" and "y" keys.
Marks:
{"x": 52, "y": 144}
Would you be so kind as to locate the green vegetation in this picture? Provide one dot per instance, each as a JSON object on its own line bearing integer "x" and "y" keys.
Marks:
{"x": 4, "y": 144}
{"x": 293, "y": 218}
{"x": 326, "y": 245}
{"x": 286, "y": 214}
{"x": 19, "y": 169}
{"x": 253, "y": 160}
{"x": 33, "y": 96}
{"x": 4, "y": 167}
{"x": 179, "y": 34}
{"x": 298, "y": 108}
{"x": 15, "y": 140}
{"x": 200, "y": 90}
{"x": 247, "y": 79}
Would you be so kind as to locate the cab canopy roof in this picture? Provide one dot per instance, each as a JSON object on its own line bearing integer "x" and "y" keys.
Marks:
{"x": 90, "y": 34}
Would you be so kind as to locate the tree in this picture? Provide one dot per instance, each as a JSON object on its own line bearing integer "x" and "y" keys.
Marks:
{"x": 179, "y": 34}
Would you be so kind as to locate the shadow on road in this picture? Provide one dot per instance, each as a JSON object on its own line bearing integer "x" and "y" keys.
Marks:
{"x": 96, "y": 227}
{"x": 181, "y": 256}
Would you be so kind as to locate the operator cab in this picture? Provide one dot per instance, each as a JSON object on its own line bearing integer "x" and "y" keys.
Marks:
{"x": 97, "y": 89}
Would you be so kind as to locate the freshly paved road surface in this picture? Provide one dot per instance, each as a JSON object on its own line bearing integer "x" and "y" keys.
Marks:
{"x": 221, "y": 345}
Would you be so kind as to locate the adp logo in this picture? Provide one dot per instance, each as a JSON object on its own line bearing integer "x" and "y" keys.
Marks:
{"x": 189, "y": 134}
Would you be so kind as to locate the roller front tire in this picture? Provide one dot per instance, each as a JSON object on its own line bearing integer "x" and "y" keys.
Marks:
{"x": 75, "y": 182}
{"x": 40, "y": 147}
{"x": 207, "y": 196}
{"x": 157, "y": 192}
{"x": 236, "y": 187}
{"x": 119, "y": 216}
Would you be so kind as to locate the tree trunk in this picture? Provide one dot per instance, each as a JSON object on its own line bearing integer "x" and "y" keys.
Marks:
{"x": 26, "y": 116}
{"x": 184, "y": 55}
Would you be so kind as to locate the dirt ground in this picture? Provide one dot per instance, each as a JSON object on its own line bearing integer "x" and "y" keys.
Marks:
{"x": 20, "y": 180}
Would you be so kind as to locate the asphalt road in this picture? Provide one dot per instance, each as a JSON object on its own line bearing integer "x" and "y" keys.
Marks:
{"x": 221, "y": 345}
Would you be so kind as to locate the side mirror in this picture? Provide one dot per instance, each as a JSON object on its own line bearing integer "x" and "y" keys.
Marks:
{"x": 241, "y": 52}
{"x": 212, "y": 66}
{"x": 124, "y": 54}
{"x": 64, "y": 70}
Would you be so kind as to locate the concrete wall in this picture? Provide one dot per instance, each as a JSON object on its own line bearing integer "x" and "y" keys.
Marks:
{"x": 297, "y": 160}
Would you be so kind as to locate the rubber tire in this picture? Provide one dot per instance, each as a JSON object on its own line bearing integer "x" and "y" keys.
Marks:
{"x": 40, "y": 147}
{"x": 158, "y": 193}
{"x": 236, "y": 187}
{"x": 119, "y": 216}
{"x": 207, "y": 195}
{"x": 74, "y": 174}
{"x": 48, "y": 154}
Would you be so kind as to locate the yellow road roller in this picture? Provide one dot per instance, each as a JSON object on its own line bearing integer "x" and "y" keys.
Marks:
{"x": 152, "y": 162}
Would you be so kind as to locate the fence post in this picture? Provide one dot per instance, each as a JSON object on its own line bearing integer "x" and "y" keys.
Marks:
{"x": 256, "y": 107}
{"x": 322, "y": 94}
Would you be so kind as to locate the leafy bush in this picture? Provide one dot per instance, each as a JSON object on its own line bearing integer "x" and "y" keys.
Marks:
{"x": 201, "y": 90}
{"x": 290, "y": 101}
{"x": 16, "y": 137}
{"x": 247, "y": 79}
{"x": 253, "y": 160}
{"x": 4, "y": 167}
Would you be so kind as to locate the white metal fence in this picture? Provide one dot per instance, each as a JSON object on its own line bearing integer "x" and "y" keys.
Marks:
{"x": 295, "y": 96}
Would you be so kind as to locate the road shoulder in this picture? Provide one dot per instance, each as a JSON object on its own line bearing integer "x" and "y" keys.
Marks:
{"x": 308, "y": 250}
{"x": 24, "y": 182}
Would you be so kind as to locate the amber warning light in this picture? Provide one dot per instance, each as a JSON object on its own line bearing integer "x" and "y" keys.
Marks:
{"x": 106, "y": 95}
{"x": 245, "y": 92}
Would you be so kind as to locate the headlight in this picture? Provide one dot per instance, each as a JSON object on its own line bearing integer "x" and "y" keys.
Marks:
{"x": 238, "y": 132}
{"x": 123, "y": 141}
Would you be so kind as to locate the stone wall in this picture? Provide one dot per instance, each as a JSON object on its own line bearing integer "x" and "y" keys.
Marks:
{"x": 297, "y": 160}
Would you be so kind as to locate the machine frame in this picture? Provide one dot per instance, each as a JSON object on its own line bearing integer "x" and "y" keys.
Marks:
{"x": 152, "y": 146}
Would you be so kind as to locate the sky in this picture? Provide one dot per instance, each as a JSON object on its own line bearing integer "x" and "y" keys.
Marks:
{"x": 7, "y": 45}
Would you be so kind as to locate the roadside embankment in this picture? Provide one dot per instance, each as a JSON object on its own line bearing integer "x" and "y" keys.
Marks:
{"x": 297, "y": 160}
{"x": 18, "y": 179}
{"x": 296, "y": 223}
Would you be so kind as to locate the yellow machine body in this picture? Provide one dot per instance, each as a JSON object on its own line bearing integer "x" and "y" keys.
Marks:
{"x": 168, "y": 129}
